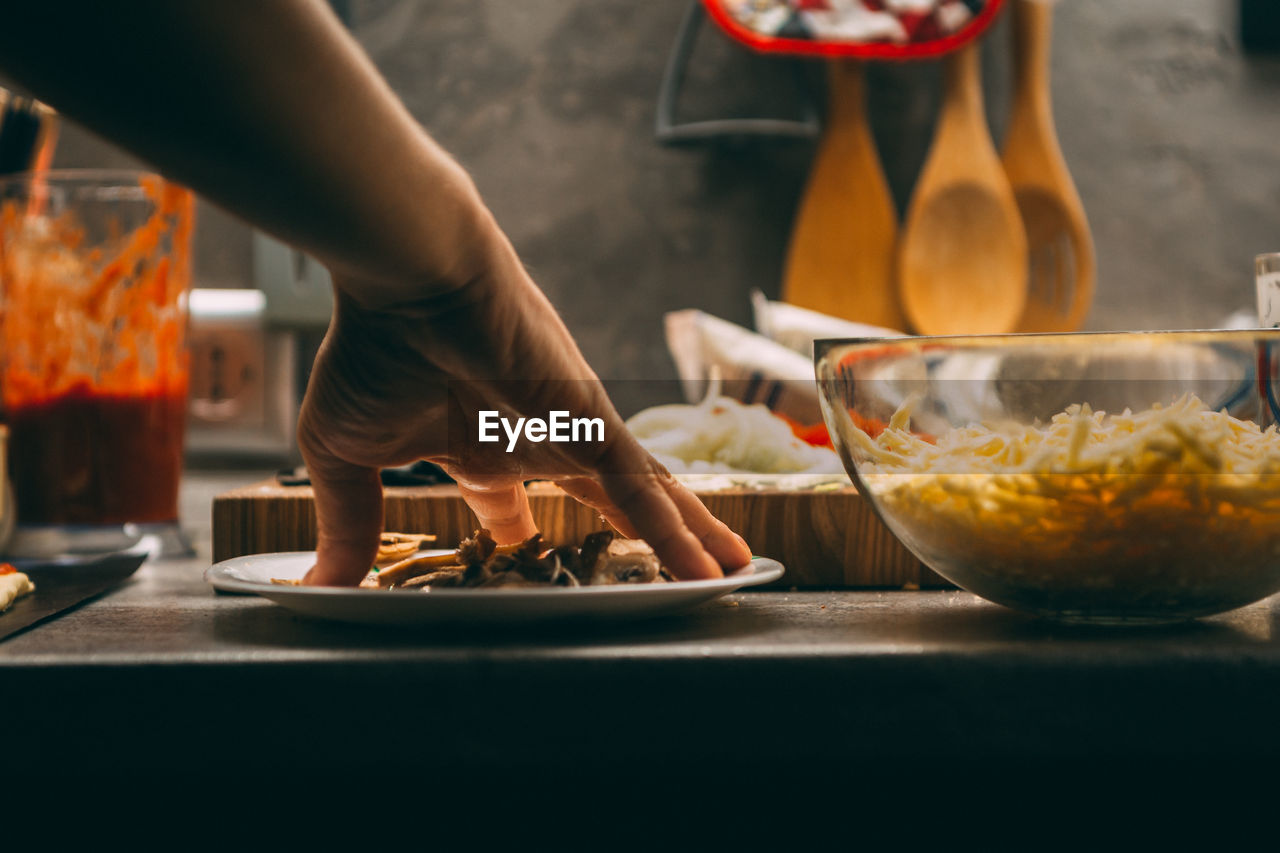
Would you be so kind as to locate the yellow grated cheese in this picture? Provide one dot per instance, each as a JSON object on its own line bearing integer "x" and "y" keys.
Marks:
{"x": 1175, "y": 502}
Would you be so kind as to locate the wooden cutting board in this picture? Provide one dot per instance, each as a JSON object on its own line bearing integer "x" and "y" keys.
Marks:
{"x": 825, "y": 539}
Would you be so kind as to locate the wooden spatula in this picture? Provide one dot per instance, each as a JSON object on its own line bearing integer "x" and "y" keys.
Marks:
{"x": 1060, "y": 249}
{"x": 841, "y": 256}
{"x": 963, "y": 263}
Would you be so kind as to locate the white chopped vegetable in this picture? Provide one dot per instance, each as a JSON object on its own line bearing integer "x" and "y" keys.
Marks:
{"x": 723, "y": 437}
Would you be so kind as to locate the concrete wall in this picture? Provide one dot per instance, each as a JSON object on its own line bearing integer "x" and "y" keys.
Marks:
{"x": 1173, "y": 136}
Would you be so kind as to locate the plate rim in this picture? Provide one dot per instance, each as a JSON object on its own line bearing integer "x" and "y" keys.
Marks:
{"x": 763, "y": 570}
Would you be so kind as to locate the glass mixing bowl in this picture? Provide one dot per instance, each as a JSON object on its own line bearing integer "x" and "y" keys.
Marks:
{"x": 1096, "y": 477}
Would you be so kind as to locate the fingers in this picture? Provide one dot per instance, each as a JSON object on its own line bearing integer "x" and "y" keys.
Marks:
{"x": 645, "y": 502}
{"x": 348, "y": 502}
{"x": 590, "y": 493}
{"x": 728, "y": 548}
{"x": 641, "y": 499}
{"x": 641, "y": 495}
{"x": 503, "y": 510}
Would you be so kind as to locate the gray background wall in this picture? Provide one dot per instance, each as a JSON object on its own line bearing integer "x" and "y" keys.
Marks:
{"x": 1173, "y": 136}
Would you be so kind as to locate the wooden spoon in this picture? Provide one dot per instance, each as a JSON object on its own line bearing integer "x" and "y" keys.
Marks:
{"x": 841, "y": 257}
{"x": 964, "y": 252}
{"x": 1060, "y": 248}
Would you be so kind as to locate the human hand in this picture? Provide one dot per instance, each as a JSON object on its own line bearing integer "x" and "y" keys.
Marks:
{"x": 399, "y": 382}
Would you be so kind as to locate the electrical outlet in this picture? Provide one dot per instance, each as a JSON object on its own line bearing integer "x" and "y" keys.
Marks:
{"x": 227, "y": 382}
{"x": 243, "y": 399}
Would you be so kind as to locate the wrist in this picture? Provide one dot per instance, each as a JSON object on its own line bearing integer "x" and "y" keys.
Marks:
{"x": 443, "y": 242}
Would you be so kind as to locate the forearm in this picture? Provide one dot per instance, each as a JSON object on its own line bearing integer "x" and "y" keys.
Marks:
{"x": 272, "y": 111}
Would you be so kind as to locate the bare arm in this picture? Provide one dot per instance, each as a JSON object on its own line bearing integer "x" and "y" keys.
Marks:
{"x": 271, "y": 110}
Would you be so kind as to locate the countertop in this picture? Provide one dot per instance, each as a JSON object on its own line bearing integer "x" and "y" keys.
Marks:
{"x": 163, "y": 673}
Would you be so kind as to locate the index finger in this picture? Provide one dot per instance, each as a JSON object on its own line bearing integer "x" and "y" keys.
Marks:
{"x": 348, "y": 501}
{"x": 728, "y": 548}
{"x": 641, "y": 489}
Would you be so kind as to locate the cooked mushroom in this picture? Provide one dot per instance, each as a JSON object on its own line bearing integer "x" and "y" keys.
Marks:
{"x": 509, "y": 578}
{"x": 593, "y": 546}
{"x": 561, "y": 574}
{"x": 476, "y": 548}
{"x": 480, "y": 562}
{"x": 627, "y": 561}
{"x": 450, "y": 576}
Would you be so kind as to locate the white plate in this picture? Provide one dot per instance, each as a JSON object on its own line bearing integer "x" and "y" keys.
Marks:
{"x": 253, "y": 574}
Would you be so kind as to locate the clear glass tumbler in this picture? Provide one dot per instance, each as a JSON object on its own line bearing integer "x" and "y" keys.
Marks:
{"x": 94, "y": 272}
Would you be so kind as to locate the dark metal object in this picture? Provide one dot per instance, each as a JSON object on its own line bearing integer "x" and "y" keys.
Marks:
{"x": 28, "y": 131}
{"x": 420, "y": 473}
{"x": 64, "y": 584}
{"x": 669, "y": 132}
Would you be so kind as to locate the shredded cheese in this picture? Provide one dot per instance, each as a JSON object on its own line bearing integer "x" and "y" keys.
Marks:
{"x": 1174, "y": 507}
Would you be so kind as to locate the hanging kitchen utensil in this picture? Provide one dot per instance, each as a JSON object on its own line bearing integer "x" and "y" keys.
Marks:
{"x": 842, "y": 252}
{"x": 840, "y": 260}
{"x": 963, "y": 263}
{"x": 1061, "y": 263}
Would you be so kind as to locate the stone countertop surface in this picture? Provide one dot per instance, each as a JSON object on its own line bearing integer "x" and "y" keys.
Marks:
{"x": 163, "y": 671}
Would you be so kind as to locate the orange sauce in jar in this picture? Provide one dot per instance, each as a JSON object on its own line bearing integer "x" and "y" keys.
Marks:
{"x": 95, "y": 373}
